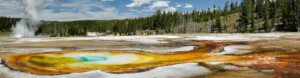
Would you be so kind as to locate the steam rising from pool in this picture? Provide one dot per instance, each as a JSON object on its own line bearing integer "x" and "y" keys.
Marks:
{"x": 27, "y": 26}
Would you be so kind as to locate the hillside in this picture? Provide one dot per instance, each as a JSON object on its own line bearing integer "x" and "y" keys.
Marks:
{"x": 247, "y": 17}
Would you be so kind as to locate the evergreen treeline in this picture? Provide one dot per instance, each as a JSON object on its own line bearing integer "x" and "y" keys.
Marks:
{"x": 160, "y": 23}
{"x": 277, "y": 15}
{"x": 249, "y": 16}
{"x": 6, "y": 23}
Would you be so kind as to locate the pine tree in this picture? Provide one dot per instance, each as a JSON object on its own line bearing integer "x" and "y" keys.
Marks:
{"x": 236, "y": 5}
{"x": 273, "y": 14}
{"x": 260, "y": 9}
{"x": 298, "y": 14}
{"x": 294, "y": 14}
{"x": 283, "y": 14}
{"x": 252, "y": 21}
{"x": 226, "y": 8}
{"x": 288, "y": 9}
{"x": 218, "y": 24}
{"x": 232, "y": 7}
{"x": 244, "y": 17}
{"x": 266, "y": 16}
{"x": 226, "y": 13}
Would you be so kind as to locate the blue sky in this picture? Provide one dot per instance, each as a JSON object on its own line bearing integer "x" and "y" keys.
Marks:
{"x": 67, "y": 10}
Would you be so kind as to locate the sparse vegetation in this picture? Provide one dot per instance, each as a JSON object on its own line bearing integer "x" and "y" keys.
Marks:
{"x": 250, "y": 16}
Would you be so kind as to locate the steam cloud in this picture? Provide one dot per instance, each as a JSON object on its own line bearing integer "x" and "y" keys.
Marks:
{"x": 28, "y": 25}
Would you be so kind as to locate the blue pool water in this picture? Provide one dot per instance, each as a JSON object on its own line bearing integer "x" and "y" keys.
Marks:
{"x": 92, "y": 58}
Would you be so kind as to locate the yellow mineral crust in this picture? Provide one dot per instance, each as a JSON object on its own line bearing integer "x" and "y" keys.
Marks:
{"x": 113, "y": 61}
{"x": 117, "y": 61}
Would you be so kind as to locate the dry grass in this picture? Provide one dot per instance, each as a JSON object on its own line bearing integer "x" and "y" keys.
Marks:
{"x": 4, "y": 32}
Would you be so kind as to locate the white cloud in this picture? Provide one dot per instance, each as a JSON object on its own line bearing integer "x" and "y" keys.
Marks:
{"x": 138, "y": 3}
{"x": 159, "y": 4}
{"x": 163, "y": 4}
{"x": 78, "y": 10}
{"x": 213, "y": 9}
{"x": 178, "y": 5}
{"x": 188, "y": 6}
{"x": 171, "y": 9}
{"x": 75, "y": 10}
{"x": 84, "y": 13}
{"x": 153, "y": 5}
{"x": 10, "y": 4}
{"x": 11, "y": 8}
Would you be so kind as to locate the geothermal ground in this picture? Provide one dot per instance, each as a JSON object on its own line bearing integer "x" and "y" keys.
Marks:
{"x": 265, "y": 55}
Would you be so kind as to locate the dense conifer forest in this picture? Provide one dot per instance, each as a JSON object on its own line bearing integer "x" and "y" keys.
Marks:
{"x": 249, "y": 16}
